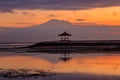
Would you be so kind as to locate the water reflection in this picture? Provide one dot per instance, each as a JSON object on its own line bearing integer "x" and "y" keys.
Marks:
{"x": 65, "y": 57}
{"x": 74, "y": 63}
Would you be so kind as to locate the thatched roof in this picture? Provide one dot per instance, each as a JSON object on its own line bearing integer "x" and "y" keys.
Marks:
{"x": 65, "y": 34}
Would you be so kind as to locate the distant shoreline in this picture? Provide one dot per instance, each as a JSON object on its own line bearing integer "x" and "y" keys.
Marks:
{"x": 93, "y": 45}
{"x": 70, "y": 46}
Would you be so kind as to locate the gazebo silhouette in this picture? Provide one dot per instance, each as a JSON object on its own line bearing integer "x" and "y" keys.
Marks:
{"x": 65, "y": 57}
{"x": 65, "y": 36}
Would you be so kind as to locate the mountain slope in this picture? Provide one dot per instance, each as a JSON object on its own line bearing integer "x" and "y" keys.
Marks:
{"x": 50, "y": 30}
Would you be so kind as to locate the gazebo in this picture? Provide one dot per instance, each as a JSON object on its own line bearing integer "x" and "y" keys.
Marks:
{"x": 65, "y": 36}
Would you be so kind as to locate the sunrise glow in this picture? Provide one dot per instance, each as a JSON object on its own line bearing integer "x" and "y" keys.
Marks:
{"x": 26, "y": 18}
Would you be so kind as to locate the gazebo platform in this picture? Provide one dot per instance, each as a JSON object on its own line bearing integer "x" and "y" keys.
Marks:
{"x": 77, "y": 45}
{"x": 65, "y": 44}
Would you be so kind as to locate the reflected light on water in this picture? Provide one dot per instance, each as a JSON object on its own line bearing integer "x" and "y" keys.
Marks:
{"x": 102, "y": 65}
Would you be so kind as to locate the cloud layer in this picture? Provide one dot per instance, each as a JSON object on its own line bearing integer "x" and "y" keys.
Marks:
{"x": 9, "y": 5}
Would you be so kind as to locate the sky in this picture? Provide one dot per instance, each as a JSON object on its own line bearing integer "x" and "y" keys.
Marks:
{"x": 41, "y": 20}
{"x": 26, "y": 13}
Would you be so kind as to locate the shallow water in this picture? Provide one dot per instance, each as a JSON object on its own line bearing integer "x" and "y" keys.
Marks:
{"x": 96, "y": 64}
{"x": 69, "y": 66}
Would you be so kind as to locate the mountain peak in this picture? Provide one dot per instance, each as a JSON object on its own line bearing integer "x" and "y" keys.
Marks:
{"x": 57, "y": 22}
{"x": 54, "y": 23}
{"x": 54, "y": 20}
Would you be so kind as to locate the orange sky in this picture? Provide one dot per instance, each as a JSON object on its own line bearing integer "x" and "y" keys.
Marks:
{"x": 97, "y": 16}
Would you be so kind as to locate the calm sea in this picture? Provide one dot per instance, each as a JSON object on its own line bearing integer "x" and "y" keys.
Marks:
{"x": 67, "y": 66}
{"x": 15, "y": 44}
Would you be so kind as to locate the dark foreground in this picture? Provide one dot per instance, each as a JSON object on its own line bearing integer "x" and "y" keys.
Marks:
{"x": 25, "y": 74}
{"x": 76, "y": 46}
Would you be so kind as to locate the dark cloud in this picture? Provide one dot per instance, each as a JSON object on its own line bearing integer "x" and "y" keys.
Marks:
{"x": 25, "y": 13}
{"x": 6, "y": 10}
{"x": 51, "y": 15}
{"x": 9, "y": 5}
{"x": 115, "y": 14}
{"x": 28, "y": 13}
{"x": 22, "y": 23}
{"x": 80, "y": 19}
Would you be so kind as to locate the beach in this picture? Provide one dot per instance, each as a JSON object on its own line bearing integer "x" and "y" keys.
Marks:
{"x": 85, "y": 66}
